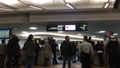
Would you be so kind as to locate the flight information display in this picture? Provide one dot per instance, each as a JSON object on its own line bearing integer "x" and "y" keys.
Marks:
{"x": 67, "y": 27}
{"x": 4, "y": 33}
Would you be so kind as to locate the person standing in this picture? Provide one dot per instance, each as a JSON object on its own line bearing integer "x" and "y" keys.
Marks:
{"x": 47, "y": 53}
{"x": 99, "y": 50}
{"x": 66, "y": 51}
{"x": 54, "y": 46}
{"x": 116, "y": 4}
{"x": 86, "y": 53}
{"x": 13, "y": 52}
{"x": 111, "y": 46}
{"x": 29, "y": 50}
{"x": 2, "y": 53}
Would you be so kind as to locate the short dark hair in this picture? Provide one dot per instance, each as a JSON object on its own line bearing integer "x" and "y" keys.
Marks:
{"x": 66, "y": 37}
{"x": 85, "y": 38}
{"x": 3, "y": 40}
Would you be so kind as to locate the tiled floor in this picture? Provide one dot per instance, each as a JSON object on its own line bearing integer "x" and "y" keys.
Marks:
{"x": 60, "y": 66}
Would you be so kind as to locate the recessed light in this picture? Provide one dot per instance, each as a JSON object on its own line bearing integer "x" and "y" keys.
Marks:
{"x": 79, "y": 34}
{"x": 33, "y": 28}
{"x": 93, "y": 36}
{"x": 24, "y": 32}
{"x": 60, "y": 31}
{"x": 115, "y": 34}
{"x": 101, "y": 31}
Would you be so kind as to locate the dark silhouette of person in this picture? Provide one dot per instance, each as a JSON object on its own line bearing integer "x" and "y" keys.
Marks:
{"x": 116, "y": 4}
{"x": 92, "y": 42}
{"x": 111, "y": 46}
{"x": 54, "y": 46}
{"x": 99, "y": 49}
{"x": 13, "y": 52}
{"x": 3, "y": 47}
{"x": 29, "y": 50}
{"x": 66, "y": 51}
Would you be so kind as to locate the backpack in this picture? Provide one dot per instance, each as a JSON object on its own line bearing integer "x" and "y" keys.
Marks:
{"x": 112, "y": 46}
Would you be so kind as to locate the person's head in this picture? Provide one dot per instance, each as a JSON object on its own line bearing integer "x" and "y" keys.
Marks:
{"x": 46, "y": 41}
{"x": 30, "y": 37}
{"x": 85, "y": 38}
{"x": 3, "y": 40}
{"x": 14, "y": 37}
{"x": 110, "y": 33}
{"x": 67, "y": 38}
{"x": 89, "y": 38}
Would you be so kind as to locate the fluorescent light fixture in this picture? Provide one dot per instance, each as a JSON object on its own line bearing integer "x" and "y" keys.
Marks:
{"x": 115, "y": 34}
{"x": 93, "y": 36}
{"x": 60, "y": 32}
{"x": 35, "y": 7}
{"x": 33, "y": 28}
{"x": 41, "y": 1}
{"x": 101, "y": 32}
{"x": 79, "y": 34}
{"x": 6, "y": 9}
{"x": 24, "y": 32}
{"x": 106, "y": 5}
{"x": 56, "y": 34}
{"x": 9, "y": 2}
{"x": 70, "y": 6}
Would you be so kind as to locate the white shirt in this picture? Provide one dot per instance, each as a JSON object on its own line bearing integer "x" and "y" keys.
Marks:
{"x": 86, "y": 47}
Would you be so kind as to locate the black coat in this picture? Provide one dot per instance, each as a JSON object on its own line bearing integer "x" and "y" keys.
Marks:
{"x": 13, "y": 47}
{"x": 66, "y": 48}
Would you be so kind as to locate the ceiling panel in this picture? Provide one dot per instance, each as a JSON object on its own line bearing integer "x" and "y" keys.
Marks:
{"x": 24, "y": 5}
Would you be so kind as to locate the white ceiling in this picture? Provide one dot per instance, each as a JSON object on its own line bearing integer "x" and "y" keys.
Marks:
{"x": 28, "y": 5}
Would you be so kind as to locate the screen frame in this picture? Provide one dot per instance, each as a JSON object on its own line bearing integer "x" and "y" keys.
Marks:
{"x": 9, "y": 34}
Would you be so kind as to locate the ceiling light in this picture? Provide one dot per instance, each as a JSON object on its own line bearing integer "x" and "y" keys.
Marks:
{"x": 115, "y": 34}
{"x": 101, "y": 32}
{"x": 57, "y": 34}
{"x": 93, "y": 36}
{"x": 41, "y": 1}
{"x": 33, "y": 28}
{"x": 79, "y": 34}
{"x": 6, "y": 9}
{"x": 106, "y": 5}
{"x": 9, "y": 2}
{"x": 70, "y": 6}
{"x": 35, "y": 7}
{"x": 60, "y": 32}
{"x": 24, "y": 32}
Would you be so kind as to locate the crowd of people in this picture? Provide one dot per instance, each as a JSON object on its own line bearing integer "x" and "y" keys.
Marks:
{"x": 10, "y": 53}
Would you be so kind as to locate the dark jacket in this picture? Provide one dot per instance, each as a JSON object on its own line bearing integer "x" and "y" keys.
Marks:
{"x": 29, "y": 49}
{"x": 66, "y": 48}
{"x": 13, "y": 47}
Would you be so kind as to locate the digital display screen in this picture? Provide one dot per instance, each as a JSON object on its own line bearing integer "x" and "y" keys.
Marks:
{"x": 67, "y": 27}
{"x": 4, "y": 33}
{"x": 70, "y": 27}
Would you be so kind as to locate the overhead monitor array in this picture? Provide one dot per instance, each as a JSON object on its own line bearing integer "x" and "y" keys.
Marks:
{"x": 67, "y": 27}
